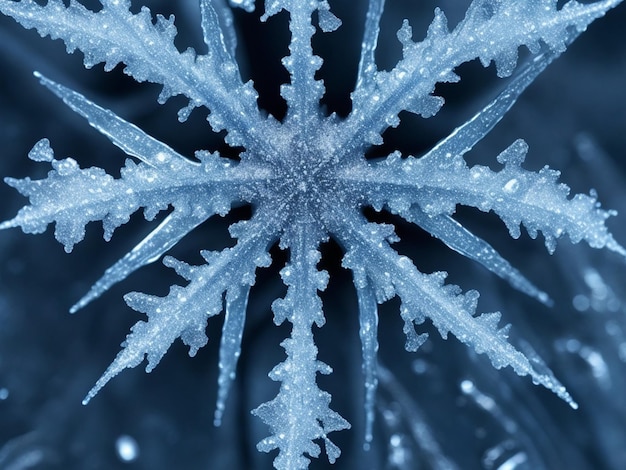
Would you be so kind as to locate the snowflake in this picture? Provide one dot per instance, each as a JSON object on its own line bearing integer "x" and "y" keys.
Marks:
{"x": 307, "y": 180}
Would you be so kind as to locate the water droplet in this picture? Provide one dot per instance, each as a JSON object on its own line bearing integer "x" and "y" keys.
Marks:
{"x": 127, "y": 448}
{"x": 467, "y": 386}
{"x": 581, "y": 302}
{"x": 511, "y": 186}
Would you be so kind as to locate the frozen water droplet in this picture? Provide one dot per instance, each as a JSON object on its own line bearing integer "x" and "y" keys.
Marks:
{"x": 511, "y": 186}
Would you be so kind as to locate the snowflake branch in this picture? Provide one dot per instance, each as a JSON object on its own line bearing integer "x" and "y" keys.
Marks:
{"x": 128, "y": 137}
{"x": 73, "y": 197}
{"x": 367, "y": 62}
{"x": 368, "y": 333}
{"x": 184, "y": 312}
{"x": 115, "y": 35}
{"x": 493, "y": 33}
{"x": 304, "y": 91}
{"x": 516, "y": 195}
{"x": 300, "y": 413}
{"x": 169, "y": 232}
{"x": 216, "y": 22}
{"x": 461, "y": 240}
{"x": 425, "y": 296}
{"x": 230, "y": 345}
{"x": 464, "y": 137}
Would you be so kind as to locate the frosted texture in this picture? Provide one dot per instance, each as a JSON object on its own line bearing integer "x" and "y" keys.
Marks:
{"x": 306, "y": 179}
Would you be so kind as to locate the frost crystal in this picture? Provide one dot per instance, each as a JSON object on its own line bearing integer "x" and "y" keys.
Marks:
{"x": 307, "y": 179}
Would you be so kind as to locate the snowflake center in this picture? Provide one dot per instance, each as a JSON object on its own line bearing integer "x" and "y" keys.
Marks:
{"x": 306, "y": 179}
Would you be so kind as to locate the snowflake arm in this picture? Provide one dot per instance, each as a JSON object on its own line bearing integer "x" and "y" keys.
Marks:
{"x": 300, "y": 413}
{"x": 464, "y": 137}
{"x": 367, "y": 62}
{"x": 185, "y": 310}
{"x": 230, "y": 344}
{"x": 128, "y": 137}
{"x": 461, "y": 240}
{"x": 490, "y": 31}
{"x": 226, "y": 24}
{"x": 163, "y": 178}
{"x": 72, "y": 197}
{"x": 218, "y": 33}
{"x": 304, "y": 91}
{"x": 370, "y": 257}
{"x": 167, "y": 234}
{"x": 114, "y": 35}
{"x": 516, "y": 195}
{"x": 368, "y": 333}
{"x": 152, "y": 152}
{"x": 446, "y": 154}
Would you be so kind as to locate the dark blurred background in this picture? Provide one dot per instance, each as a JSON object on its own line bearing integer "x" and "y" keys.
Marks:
{"x": 442, "y": 407}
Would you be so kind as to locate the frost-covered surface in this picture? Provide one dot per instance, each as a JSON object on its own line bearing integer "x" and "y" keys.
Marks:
{"x": 306, "y": 179}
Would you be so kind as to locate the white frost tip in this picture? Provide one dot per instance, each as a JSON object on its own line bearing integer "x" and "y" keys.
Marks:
{"x": 92, "y": 393}
{"x": 545, "y": 299}
{"x": 82, "y": 303}
{"x": 43, "y": 79}
{"x": 7, "y": 224}
{"x": 563, "y": 394}
{"x": 102, "y": 381}
{"x": 616, "y": 247}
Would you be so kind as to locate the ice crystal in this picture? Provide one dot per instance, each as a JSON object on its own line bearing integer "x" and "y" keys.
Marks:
{"x": 307, "y": 180}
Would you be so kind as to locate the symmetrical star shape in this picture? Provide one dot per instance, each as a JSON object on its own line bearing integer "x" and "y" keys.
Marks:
{"x": 307, "y": 179}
